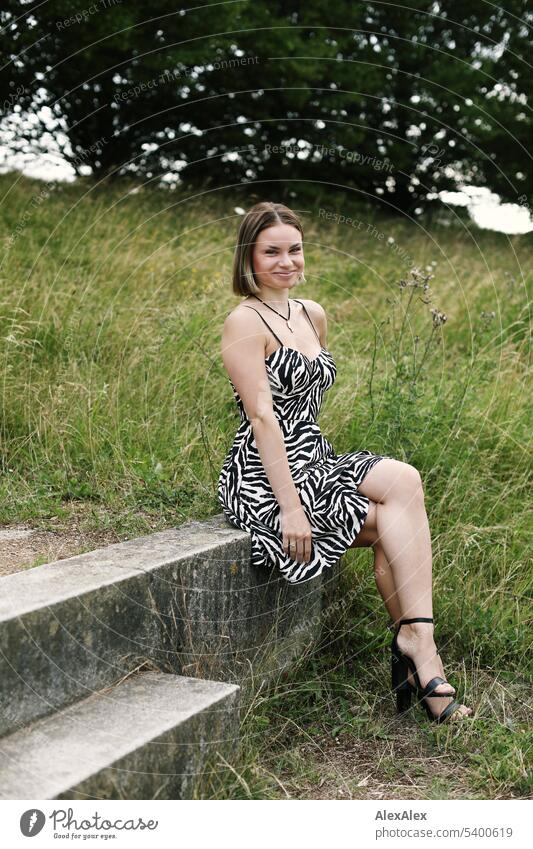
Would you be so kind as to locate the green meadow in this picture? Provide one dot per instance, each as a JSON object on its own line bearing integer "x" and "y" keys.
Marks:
{"x": 115, "y": 404}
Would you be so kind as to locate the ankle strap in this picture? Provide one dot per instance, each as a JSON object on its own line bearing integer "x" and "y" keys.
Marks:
{"x": 417, "y": 619}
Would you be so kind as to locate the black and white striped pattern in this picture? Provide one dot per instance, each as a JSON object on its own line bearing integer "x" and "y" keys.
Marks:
{"x": 326, "y": 482}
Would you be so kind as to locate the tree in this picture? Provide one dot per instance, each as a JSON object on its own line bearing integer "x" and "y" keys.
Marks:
{"x": 394, "y": 101}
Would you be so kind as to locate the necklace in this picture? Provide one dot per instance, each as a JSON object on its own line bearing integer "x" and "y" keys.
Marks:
{"x": 286, "y": 320}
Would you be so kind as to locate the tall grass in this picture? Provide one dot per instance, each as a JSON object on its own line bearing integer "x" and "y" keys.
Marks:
{"x": 113, "y": 394}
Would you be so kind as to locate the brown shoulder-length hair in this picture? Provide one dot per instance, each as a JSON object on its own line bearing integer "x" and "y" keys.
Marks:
{"x": 262, "y": 215}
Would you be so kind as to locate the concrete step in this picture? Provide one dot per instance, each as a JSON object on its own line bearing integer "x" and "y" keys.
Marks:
{"x": 185, "y": 601}
{"x": 152, "y": 736}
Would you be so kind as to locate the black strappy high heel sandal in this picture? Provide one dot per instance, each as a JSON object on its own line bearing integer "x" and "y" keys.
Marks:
{"x": 401, "y": 664}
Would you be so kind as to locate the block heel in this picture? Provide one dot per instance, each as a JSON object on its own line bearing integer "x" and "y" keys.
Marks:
{"x": 401, "y": 665}
{"x": 400, "y": 684}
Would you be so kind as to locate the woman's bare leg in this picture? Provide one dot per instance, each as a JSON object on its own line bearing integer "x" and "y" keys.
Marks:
{"x": 403, "y": 534}
{"x": 367, "y": 538}
{"x": 385, "y": 583}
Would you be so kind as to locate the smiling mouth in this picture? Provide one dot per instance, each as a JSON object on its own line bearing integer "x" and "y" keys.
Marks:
{"x": 285, "y": 273}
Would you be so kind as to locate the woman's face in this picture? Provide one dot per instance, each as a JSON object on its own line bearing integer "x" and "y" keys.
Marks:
{"x": 278, "y": 257}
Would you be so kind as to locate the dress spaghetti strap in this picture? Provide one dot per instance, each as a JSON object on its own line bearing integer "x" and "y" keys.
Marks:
{"x": 266, "y": 322}
{"x": 308, "y": 316}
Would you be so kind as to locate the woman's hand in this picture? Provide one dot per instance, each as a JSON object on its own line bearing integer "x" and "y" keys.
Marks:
{"x": 297, "y": 534}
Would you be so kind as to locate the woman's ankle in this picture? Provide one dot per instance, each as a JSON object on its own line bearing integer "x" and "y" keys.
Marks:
{"x": 418, "y": 631}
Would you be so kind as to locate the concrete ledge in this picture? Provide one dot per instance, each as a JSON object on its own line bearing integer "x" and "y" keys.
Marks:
{"x": 186, "y": 600}
{"x": 151, "y": 736}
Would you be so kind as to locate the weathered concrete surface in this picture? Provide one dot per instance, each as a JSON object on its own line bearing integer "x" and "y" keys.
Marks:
{"x": 11, "y": 534}
{"x": 226, "y": 620}
{"x": 151, "y": 736}
{"x": 186, "y": 600}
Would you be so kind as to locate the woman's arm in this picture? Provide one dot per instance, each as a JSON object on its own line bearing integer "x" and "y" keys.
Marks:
{"x": 243, "y": 353}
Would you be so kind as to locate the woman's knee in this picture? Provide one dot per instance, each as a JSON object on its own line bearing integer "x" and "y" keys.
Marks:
{"x": 406, "y": 482}
{"x": 392, "y": 480}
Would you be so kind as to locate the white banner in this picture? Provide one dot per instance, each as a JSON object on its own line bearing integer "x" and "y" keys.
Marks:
{"x": 304, "y": 823}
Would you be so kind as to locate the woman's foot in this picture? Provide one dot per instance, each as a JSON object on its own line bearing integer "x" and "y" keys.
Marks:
{"x": 417, "y": 642}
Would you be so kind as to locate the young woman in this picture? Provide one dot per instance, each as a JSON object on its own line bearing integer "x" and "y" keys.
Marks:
{"x": 282, "y": 481}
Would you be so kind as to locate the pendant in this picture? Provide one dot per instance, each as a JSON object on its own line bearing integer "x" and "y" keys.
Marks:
{"x": 290, "y": 328}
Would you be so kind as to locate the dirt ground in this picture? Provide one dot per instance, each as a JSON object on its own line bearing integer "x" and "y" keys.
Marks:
{"x": 23, "y": 546}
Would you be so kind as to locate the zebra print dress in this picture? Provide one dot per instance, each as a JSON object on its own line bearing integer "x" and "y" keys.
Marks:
{"x": 326, "y": 482}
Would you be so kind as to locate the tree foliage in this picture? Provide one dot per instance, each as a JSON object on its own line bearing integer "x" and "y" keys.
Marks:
{"x": 388, "y": 100}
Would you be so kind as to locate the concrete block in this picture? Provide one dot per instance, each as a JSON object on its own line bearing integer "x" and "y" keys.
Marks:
{"x": 152, "y": 736}
{"x": 185, "y": 600}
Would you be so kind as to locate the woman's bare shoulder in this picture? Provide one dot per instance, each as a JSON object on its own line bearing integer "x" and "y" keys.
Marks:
{"x": 239, "y": 320}
{"x": 314, "y": 308}
{"x": 238, "y": 315}
{"x": 238, "y": 308}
